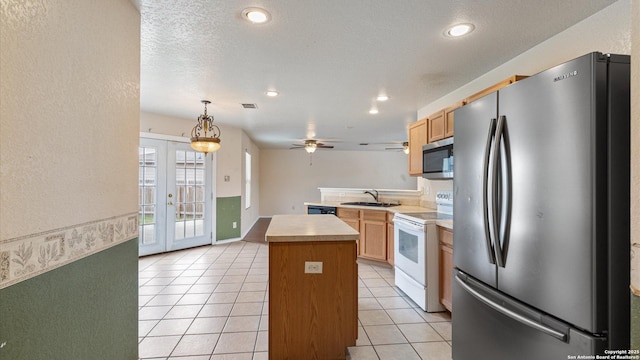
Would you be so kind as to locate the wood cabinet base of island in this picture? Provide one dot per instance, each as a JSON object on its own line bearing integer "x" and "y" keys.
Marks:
{"x": 312, "y": 316}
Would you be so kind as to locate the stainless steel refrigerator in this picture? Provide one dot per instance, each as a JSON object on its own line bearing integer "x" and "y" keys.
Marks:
{"x": 541, "y": 215}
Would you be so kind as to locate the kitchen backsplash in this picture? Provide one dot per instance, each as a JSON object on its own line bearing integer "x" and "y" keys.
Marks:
{"x": 429, "y": 188}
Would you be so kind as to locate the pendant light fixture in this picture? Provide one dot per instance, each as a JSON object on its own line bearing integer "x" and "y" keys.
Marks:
{"x": 205, "y": 137}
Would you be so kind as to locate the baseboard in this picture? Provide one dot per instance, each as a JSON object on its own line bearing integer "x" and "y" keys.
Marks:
{"x": 226, "y": 241}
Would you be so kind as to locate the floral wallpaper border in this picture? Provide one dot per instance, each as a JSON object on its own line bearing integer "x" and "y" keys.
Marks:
{"x": 28, "y": 256}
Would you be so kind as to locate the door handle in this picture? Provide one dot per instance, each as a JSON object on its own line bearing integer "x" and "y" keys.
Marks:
{"x": 510, "y": 313}
{"x": 495, "y": 189}
{"x": 485, "y": 184}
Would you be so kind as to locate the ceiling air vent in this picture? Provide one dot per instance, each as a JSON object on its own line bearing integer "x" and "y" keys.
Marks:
{"x": 250, "y": 106}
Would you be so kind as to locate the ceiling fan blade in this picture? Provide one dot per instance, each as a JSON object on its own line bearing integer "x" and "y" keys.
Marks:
{"x": 322, "y": 146}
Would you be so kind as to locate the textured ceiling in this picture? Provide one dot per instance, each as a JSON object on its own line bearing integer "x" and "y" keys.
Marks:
{"x": 330, "y": 59}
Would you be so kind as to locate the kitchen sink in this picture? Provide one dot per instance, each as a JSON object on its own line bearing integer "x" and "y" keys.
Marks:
{"x": 366, "y": 203}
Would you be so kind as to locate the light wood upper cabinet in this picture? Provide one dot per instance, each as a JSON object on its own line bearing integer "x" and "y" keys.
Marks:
{"x": 448, "y": 118}
{"x": 417, "y": 138}
{"x": 440, "y": 125}
{"x": 494, "y": 88}
{"x": 436, "y": 126}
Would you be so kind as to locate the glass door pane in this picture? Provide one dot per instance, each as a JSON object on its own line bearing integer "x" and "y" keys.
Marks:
{"x": 191, "y": 182}
{"x": 151, "y": 183}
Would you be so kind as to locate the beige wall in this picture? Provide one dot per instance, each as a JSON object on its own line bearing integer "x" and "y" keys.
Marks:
{"x": 250, "y": 214}
{"x": 635, "y": 148}
{"x": 69, "y": 104}
{"x": 606, "y": 31}
{"x": 287, "y": 179}
{"x": 229, "y": 159}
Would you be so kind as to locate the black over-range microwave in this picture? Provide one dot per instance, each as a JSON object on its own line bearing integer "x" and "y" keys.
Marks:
{"x": 437, "y": 159}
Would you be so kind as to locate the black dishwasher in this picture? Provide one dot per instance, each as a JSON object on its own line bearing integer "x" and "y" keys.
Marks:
{"x": 316, "y": 209}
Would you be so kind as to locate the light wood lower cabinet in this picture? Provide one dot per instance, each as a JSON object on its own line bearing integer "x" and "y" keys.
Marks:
{"x": 446, "y": 266}
{"x": 373, "y": 235}
{"x": 352, "y": 218}
{"x": 376, "y": 232}
{"x": 390, "y": 238}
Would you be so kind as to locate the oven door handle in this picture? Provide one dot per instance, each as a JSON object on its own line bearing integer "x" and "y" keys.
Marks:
{"x": 412, "y": 226}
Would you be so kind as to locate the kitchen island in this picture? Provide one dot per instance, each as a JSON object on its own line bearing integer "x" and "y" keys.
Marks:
{"x": 313, "y": 287}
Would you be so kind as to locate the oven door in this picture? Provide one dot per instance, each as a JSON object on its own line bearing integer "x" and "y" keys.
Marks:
{"x": 409, "y": 250}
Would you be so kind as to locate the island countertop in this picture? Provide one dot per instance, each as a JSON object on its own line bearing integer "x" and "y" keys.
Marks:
{"x": 288, "y": 228}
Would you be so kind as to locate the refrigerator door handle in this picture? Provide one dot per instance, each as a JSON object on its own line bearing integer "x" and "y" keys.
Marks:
{"x": 497, "y": 201}
{"x": 510, "y": 313}
{"x": 485, "y": 195}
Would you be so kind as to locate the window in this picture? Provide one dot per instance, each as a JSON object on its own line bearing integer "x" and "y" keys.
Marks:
{"x": 247, "y": 180}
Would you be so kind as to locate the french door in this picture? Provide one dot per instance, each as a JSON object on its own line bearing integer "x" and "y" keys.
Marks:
{"x": 174, "y": 197}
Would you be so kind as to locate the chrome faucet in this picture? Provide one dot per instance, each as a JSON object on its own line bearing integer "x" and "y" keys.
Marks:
{"x": 375, "y": 197}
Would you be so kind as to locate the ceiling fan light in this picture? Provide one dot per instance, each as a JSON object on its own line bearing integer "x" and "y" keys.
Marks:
{"x": 310, "y": 148}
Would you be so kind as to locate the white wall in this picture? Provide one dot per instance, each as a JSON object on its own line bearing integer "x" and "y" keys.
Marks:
{"x": 287, "y": 179}
{"x": 607, "y": 31}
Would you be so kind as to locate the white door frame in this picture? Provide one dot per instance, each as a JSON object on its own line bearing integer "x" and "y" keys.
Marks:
{"x": 210, "y": 228}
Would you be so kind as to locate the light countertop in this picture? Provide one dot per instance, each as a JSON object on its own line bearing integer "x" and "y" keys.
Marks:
{"x": 292, "y": 228}
{"x": 393, "y": 209}
{"x": 445, "y": 223}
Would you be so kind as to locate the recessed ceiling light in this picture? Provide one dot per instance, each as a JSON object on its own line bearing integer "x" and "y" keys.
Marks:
{"x": 373, "y": 111}
{"x": 382, "y": 98}
{"x": 272, "y": 93}
{"x": 256, "y": 15}
{"x": 460, "y": 30}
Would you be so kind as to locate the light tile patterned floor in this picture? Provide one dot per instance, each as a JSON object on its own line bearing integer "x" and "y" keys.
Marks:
{"x": 211, "y": 303}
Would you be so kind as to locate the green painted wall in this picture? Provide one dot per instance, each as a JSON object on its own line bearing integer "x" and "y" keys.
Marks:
{"x": 228, "y": 212}
{"x": 84, "y": 310}
{"x": 635, "y": 322}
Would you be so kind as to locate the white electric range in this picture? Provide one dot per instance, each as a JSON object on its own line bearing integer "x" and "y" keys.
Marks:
{"x": 417, "y": 268}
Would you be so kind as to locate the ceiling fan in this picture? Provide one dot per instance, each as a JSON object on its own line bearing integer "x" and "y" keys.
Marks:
{"x": 311, "y": 145}
{"x": 404, "y": 148}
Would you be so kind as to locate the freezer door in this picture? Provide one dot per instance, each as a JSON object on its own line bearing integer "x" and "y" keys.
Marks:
{"x": 472, "y": 245}
{"x": 556, "y": 258}
{"x": 490, "y": 325}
